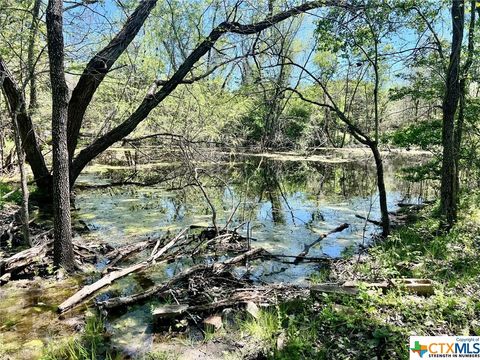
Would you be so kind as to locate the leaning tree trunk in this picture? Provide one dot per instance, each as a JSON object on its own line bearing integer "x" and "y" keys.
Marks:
{"x": 31, "y": 147}
{"x": 99, "y": 66}
{"x": 382, "y": 192}
{"x": 63, "y": 249}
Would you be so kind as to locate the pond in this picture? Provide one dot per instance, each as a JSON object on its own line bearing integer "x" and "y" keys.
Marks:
{"x": 284, "y": 200}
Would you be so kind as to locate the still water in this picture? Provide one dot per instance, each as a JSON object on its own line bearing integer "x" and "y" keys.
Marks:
{"x": 285, "y": 200}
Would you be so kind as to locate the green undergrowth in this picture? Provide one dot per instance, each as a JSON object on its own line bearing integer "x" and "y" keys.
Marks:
{"x": 93, "y": 343}
{"x": 376, "y": 325}
{"x": 90, "y": 345}
{"x": 15, "y": 197}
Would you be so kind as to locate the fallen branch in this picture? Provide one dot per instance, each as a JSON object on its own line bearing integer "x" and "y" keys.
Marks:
{"x": 88, "y": 290}
{"x": 300, "y": 257}
{"x": 216, "y": 268}
{"x": 165, "y": 312}
{"x": 24, "y": 258}
{"x": 84, "y": 293}
{"x": 124, "y": 252}
{"x": 318, "y": 259}
{"x": 7, "y": 195}
{"x": 375, "y": 222}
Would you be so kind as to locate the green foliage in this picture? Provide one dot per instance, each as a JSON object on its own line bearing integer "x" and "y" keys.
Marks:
{"x": 427, "y": 171}
{"x": 265, "y": 327}
{"x": 297, "y": 120}
{"x": 254, "y": 122}
{"x": 424, "y": 134}
{"x": 15, "y": 197}
{"x": 91, "y": 345}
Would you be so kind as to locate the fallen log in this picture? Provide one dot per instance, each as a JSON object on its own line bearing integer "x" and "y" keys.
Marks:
{"x": 88, "y": 290}
{"x": 374, "y": 222}
{"x": 31, "y": 260}
{"x": 84, "y": 293}
{"x": 126, "y": 251}
{"x": 24, "y": 258}
{"x": 183, "y": 275}
{"x": 300, "y": 257}
{"x": 348, "y": 287}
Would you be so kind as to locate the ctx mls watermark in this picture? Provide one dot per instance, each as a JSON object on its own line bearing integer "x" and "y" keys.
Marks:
{"x": 444, "y": 347}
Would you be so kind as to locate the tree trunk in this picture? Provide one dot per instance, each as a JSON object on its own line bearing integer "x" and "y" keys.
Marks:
{"x": 464, "y": 92}
{"x": 23, "y": 180}
{"x": 382, "y": 192}
{"x": 62, "y": 249}
{"x": 152, "y": 100}
{"x": 98, "y": 67}
{"x": 31, "y": 54}
{"x": 448, "y": 191}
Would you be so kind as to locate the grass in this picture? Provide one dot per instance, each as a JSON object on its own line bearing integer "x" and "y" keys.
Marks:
{"x": 377, "y": 325}
{"x": 15, "y": 197}
{"x": 91, "y": 345}
{"x": 266, "y": 327}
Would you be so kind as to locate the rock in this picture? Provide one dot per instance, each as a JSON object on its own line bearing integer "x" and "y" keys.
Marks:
{"x": 228, "y": 317}
{"x": 252, "y": 309}
{"x": 281, "y": 340}
{"x": 214, "y": 321}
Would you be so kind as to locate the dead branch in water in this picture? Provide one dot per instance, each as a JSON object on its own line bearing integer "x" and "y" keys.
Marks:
{"x": 88, "y": 290}
{"x": 126, "y": 251}
{"x": 374, "y": 222}
{"x": 300, "y": 257}
{"x": 216, "y": 268}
